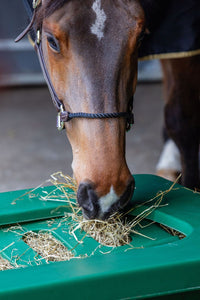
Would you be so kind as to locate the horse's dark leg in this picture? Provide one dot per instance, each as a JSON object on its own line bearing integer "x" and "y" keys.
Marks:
{"x": 182, "y": 112}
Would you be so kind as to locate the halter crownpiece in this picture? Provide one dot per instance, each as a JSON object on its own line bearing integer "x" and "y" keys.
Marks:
{"x": 64, "y": 116}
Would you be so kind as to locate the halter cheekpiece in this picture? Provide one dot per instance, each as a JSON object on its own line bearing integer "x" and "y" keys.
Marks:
{"x": 64, "y": 116}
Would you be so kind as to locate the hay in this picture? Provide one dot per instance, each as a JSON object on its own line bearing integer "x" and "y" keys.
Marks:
{"x": 172, "y": 231}
{"x": 5, "y": 264}
{"x": 116, "y": 230}
{"x": 113, "y": 232}
{"x": 47, "y": 246}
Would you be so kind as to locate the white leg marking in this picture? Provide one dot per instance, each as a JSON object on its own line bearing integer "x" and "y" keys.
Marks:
{"x": 98, "y": 27}
{"x": 106, "y": 201}
{"x": 170, "y": 157}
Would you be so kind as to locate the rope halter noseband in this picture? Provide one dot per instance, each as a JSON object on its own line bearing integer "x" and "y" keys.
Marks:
{"x": 65, "y": 116}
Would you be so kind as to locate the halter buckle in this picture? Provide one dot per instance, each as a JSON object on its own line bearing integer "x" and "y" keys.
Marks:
{"x": 60, "y": 124}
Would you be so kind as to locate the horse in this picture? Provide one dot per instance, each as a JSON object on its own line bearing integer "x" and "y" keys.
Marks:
{"x": 89, "y": 54}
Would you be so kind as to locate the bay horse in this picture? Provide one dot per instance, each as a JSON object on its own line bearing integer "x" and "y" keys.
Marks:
{"x": 89, "y": 54}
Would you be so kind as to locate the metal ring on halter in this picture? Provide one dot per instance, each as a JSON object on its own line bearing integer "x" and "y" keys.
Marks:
{"x": 38, "y": 37}
{"x": 60, "y": 124}
{"x": 36, "y": 3}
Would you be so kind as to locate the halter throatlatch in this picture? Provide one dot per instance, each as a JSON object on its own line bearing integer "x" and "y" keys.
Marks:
{"x": 64, "y": 116}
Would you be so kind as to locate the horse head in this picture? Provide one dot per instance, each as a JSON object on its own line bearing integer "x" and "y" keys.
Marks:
{"x": 90, "y": 52}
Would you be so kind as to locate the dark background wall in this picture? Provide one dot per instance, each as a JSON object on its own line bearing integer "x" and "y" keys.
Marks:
{"x": 18, "y": 61}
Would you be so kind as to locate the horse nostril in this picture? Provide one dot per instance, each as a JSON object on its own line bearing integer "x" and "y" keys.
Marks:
{"x": 88, "y": 200}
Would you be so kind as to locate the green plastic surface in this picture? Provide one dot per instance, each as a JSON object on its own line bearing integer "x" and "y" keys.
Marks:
{"x": 163, "y": 267}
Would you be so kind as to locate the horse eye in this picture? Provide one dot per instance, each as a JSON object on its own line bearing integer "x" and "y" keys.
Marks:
{"x": 53, "y": 43}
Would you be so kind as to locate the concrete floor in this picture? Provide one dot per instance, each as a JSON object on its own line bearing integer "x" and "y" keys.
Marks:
{"x": 32, "y": 148}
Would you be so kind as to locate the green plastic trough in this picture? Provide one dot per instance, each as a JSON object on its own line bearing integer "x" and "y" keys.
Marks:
{"x": 163, "y": 267}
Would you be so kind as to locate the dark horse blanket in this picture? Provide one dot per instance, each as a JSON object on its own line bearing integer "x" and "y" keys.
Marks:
{"x": 174, "y": 28}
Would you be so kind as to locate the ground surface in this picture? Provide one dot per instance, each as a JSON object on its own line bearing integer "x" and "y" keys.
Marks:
{"x": 32, "y": 148}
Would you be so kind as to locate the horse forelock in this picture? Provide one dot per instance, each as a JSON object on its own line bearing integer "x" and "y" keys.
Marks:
{"x": 51, "y": 6}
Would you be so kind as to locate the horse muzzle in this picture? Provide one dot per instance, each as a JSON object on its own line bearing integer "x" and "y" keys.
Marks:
{"x": 95, "y": 207}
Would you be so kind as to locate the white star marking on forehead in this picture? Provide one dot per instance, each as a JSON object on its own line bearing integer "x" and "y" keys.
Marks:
{"x": 98, "y": 27}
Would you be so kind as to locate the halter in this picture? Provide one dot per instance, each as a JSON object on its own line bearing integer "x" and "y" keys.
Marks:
{"x": 63, "y": 115}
